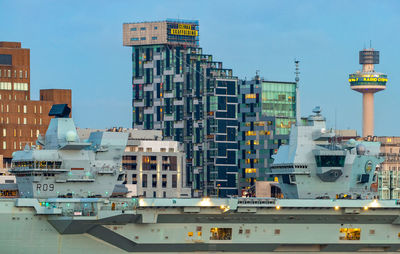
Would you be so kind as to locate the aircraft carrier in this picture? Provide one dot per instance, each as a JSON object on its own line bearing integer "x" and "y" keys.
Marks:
{"x": 65, "y": 204}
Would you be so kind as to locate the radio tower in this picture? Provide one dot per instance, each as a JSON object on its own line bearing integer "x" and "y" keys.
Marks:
{"x": 368, "y": 82}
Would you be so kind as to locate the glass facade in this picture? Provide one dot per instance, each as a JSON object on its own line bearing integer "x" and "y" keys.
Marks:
{"x": 267, "y": 110}
{"x": 279, "y": 100}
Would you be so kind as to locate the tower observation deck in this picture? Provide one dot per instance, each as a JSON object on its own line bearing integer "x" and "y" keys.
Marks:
{"x": 368, "y": 82}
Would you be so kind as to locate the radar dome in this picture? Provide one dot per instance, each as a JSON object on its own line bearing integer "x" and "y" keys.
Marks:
{"x": 351, "y": 142}
{"x": 360, "y": 149}
{"x": 71, "y": 136}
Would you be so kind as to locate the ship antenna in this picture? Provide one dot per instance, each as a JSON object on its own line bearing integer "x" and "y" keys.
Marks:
{"x": 297, "y": 79}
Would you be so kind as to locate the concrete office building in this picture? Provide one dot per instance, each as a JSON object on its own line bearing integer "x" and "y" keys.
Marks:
{"x": 180, "y": 90}
{"x": 368, "y": 82}
{"x": 267, "y": 109}
{"x": 22, "y": 119}
{"x": 154, "y": 168}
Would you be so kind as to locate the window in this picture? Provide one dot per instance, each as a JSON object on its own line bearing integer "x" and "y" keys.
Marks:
{"x": 133, "y": 29}
{"x": 164, "y": 181}
{"x": 330, "y": 160}
{"x": 134, "y": 179}
{"x": 21, "y": 86}
{"x": 4, "y": 132}
{"x": 9, "y": 73}
{"x": 24, "y": 120}
{"x": 20, "y": 74}
{"x": 154, "y": 181}
{"x": 144, "y": 181}
{"x": 350, "y": 234}
{"x": 15, "y": 73}
{"x": 40, "y": 109}
{"x": 155, "y": 28}
{"x": 143, "y": 28}
{"x": 154, "y": 38}
{"x": 5, "y": 85}
{"x": 26, "y": 74}
{"x": 221, "y": 234}
{"x": 174, "y": 182}
{"x": 134, "y": 39}
{"x": 25, "y": 109}
{"x": 142, "y": 38}
{"x": 4, "y": 145}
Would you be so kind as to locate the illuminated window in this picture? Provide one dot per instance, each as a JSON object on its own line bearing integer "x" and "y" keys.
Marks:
{"x": 250, "y": 96}
{"x": 24, "y": 120}
{"x": 250, "y": 133}
{"x": 350, "y": 234}
{"x": 221, "y": 234}
{"x": 259, "y": 123}
{"x": 4, "y": 132}
{"x": 25, "y": 109}
{"x": 250, "y": 170}
{"x": 20, "y": 74}
{"x": 4, "y": 145}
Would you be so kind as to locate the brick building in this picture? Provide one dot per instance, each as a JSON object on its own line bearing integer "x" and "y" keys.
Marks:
{"x": 22, "y": 119}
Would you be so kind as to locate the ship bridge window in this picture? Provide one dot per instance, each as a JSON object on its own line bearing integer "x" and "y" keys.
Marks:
{"x": 48, "y": 164}
{"x": 330, "y": 160}
{"x": 221, "y": 234}
{"x": 23, "y": 164}
{"x": 350, "y": 234}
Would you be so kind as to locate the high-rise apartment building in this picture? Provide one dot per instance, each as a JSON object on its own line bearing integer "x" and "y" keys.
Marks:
{"x": 21, "y": 119}
{"x": 267, "y": 109}
{"x": 180, "y": 90}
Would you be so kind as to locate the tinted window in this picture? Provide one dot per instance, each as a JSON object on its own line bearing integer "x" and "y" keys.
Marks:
{"x": 6, "y": 59}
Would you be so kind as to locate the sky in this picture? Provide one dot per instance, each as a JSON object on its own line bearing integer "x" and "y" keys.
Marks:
{"x": 78, "y": 45}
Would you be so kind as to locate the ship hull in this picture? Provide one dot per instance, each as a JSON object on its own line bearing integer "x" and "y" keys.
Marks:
{"x": 147, "y": 229}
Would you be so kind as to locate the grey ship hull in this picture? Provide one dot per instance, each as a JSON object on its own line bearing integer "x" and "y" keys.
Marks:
{"x": 165, "y": 225}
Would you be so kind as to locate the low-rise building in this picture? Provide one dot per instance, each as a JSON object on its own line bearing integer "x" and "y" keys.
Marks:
{"x": 154, "y": 167}
{"x": 157, "y": 168}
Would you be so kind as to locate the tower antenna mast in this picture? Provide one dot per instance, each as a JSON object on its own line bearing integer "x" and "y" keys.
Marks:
{"x": 297, "y": 79}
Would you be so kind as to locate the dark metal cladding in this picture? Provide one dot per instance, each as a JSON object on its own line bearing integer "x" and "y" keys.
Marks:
{"x": 369, "y": 57}
{"x": 60, "y": 110}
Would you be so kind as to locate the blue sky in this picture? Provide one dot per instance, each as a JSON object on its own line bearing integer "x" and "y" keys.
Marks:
{"x": 78, "y": 45}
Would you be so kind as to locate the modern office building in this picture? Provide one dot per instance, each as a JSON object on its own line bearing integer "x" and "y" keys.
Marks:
{"x": 368, "y": 82}
{"x": 180, "y": 90}
{"x": 154, "y": 167}
{"x": 267, "y": 109}
{"x": 22, "y": 119}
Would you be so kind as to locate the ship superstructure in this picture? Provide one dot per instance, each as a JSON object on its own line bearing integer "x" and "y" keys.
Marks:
{"x": 313, "y": 165}
{"x": 67, "y": 166}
